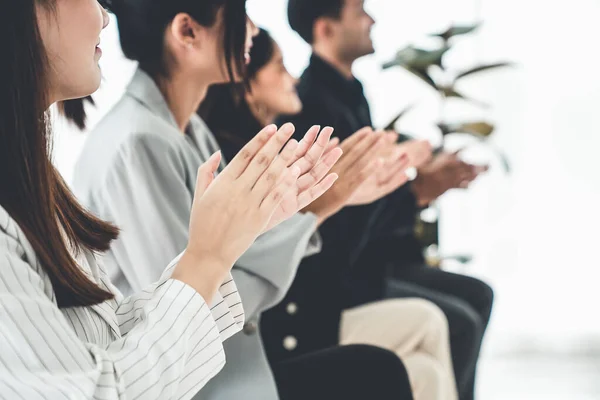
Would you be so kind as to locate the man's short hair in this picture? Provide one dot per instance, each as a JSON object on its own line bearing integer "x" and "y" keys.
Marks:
{"x": 302, "y": 15}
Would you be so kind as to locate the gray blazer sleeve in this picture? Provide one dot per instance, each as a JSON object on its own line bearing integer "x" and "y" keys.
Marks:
{"x": 147, "y": 191}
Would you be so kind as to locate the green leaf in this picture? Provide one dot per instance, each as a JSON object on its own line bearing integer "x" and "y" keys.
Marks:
{"x": 479, "y": 129}
{"x": 449, "y": 91}
{"x": 457, "y": 30}
{"x": 412, "y": 57}
{"x": 482, "y": 68}
{"x": 423, "y": 75}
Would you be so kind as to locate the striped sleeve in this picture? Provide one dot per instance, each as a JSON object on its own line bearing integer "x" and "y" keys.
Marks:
{"x": 170, "y": 352}
{"x": 226, "y": 307}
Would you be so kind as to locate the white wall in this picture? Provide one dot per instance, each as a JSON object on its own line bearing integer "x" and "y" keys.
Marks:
{"x": 533, "y": 234}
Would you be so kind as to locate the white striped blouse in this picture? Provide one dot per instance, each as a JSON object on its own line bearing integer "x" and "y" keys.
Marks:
{"x": 163, "y": 343}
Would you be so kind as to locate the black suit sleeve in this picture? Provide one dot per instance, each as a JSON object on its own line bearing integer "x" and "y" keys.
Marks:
{"x": 317, "y": 112}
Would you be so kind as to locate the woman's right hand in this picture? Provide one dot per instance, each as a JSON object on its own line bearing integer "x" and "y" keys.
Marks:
{"x": 419, "y": 152}
{"x": 230, "y": 211}
{"x": 361, "y": 159}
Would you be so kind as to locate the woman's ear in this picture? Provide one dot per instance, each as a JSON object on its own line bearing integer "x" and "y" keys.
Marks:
{"x": 249, "y": 95}
{"x": 185, "y": 32}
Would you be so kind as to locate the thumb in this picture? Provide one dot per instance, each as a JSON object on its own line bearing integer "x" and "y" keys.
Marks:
{"x": 206, "y": 173}
{"x": 391, "y": 137}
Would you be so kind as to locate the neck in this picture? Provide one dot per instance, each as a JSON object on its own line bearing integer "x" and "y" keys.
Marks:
{"x": 339, "y": 63}
{"x": 262, "y": 115}
{"x": 183, "y": 93}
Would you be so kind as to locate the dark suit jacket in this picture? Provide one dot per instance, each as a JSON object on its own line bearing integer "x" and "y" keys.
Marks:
{"x": 359, "y": 243}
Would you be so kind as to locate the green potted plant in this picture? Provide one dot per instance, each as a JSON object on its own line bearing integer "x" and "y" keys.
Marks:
{"x": 421, "y": 63}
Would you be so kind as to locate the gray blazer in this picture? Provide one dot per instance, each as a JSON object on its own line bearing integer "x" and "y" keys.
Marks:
{"x": 138, "y": 170}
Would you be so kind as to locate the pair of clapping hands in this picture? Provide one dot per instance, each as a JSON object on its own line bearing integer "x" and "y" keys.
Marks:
{"x": 273, "y": 178}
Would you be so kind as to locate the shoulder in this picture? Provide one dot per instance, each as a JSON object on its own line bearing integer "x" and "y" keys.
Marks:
{"x": 15, "y": 246}
{"x": 130, "y": 133}
{"x": 142, "y": 144}
{"x": 144, "y": 158}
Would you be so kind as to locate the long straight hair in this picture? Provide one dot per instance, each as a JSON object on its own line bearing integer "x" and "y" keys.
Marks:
{"x": 31, "y": 189}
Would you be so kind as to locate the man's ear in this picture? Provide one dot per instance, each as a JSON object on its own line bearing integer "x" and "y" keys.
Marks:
{"x": 323, "y": 29}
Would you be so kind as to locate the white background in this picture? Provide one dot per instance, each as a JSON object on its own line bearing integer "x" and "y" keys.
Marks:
{"x": 533, "y": 233}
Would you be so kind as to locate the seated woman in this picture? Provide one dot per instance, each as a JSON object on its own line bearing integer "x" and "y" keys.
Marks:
{"x": 416, "y": 330}
{"x": 139, "y": 166}
{"x": 65, "y": 331}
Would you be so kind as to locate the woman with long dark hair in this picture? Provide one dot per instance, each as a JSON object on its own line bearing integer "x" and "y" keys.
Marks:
{"x": 65, "y": 331}
{"x": 414, "y": 329}
{"x": 138, "y": 168}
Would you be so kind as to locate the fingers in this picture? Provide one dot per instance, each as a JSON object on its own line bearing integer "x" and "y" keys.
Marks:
{"x": 314, "y": 154}
{"x": 463, "y": 175}
{"x": 242, "y": 160}
{"x": 368, "y": 171}
{"x": 206, "y": 173}
{"x": 265, "y": 156}
{"x": 391, "y": 137}
{"x": 312, "y": 194}
{"x": 362, "y": 153}
{"x": 398, "y": 180}
{"x": 315, "y": 175}
{"x": 392, "y": 170}
{"x": 420, "y": 152}
{"x": 333, "y": 143}
{"x": 355, "y": 138}
{"x": 306, "y": 143}
{"x": 481, "y": 169}
{"x": 276, "y": 171}
{"x": 276, "y": 195}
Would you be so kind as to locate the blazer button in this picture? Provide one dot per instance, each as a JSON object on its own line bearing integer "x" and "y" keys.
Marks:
{"x": 250, "y": 328}
{"x": 292, "y": 308}
{"x": 290, "y": 343}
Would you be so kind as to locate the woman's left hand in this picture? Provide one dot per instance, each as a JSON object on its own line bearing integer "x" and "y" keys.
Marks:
{"x": 389, "y": 176}
{"x": 315, "y": 155}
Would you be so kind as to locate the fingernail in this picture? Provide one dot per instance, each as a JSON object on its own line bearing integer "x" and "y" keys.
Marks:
{"x": 217, "y": 154}
{"x": 288, "y": 127}
{"x": 271, "y": 129}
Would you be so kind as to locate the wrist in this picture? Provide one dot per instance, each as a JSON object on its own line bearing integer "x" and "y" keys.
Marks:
{"x": 205, "y": 273}
{"x": 320, "y": 220}
{"x": 417, "y": 189}
{"x": 321, "y": 214}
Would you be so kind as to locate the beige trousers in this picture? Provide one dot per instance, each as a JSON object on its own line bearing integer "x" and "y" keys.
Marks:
{"x": 417, "y": 331}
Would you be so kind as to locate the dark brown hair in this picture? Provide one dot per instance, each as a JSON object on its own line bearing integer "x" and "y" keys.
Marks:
{"x": 142, "y": 25}
{"x": 227, "y": 99}
{"x": 303, "y": 14}
{"x": 31, "y": 189}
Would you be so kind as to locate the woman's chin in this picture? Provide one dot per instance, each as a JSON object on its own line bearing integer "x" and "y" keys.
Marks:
{"x": 297, "y": 108}
{"x": 81, "y": 92}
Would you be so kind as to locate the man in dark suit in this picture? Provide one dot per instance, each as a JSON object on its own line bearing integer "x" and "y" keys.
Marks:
{"x": 366, "y": 244}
